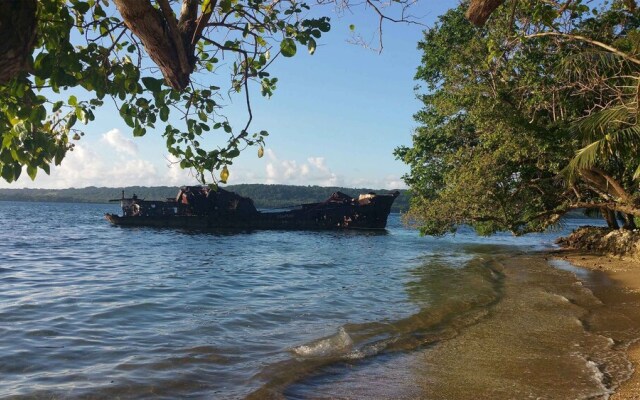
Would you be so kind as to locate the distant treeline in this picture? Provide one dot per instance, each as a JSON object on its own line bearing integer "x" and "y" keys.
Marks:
{"x": 264, "y": 196}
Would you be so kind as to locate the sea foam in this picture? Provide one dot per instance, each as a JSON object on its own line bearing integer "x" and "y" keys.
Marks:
{"x": 333, "y": 345}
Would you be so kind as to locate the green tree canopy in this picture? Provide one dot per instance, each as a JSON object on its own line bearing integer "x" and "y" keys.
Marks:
{"x": 507, "y": 106}
{"x": 156, "y": 60}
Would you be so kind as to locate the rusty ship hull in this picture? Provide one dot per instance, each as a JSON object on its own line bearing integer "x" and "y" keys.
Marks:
{"x": 338, "y": 212}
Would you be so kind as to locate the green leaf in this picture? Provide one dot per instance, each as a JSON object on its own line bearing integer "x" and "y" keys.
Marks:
{"x": 206, "y": 7}
{"x": 59, "y": 155}
{"x": 72, "y": 121}
{"x": 352, "y": 27}
{"x": 17, "y": 171}
{"x": 139, "y": 131}
{"x": 225, "y": 6}
{"x": 164, "y": 113}
{"x": 288, "y": 47}
{"x": 73, "y": 101}
{"x": 7, "y": 173}
{"x": 311, "y": 45}
{"x": 32, "y": 171}
{"x": 7, "y": 140}
{"x": 152, "y": 84}
{"x": 82, "y": 7}
{"x": 82, "y": 116}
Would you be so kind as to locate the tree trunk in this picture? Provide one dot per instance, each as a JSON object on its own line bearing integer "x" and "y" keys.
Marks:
{"x": 480, "y": 10}
{"x": 17, "y": 36}
{"x": 167, "y": 42}
{"x": 610, "y": 217}
{"x": 605, "y": 184}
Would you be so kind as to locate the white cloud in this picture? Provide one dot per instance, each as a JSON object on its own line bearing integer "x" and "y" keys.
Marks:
{"x": 394, "y": 183}
{"x": 92, "y": 165}
{"x": 291, "y": 172}
{"x": 304, "y": 170}
{"x": 270, "y": 169}
{"x": 289, "y": 169}
{"x": 388, "y": 182}
{"x": 317, "y": 162}
{"x": 270, "y": 155}
{"x": 133, "y": 172}
{"x": 119, "y": 143}
{"x": 175, "y": 175}
{"x": 315, "y": 171}
{"x": 80, "y": 167}
{"x": 87, "y": 166}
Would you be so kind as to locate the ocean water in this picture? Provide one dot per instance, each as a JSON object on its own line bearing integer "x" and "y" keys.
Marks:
{"x": 89, "y": 310}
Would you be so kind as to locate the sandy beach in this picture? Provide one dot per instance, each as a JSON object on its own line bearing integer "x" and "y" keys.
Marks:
{"x": 625, "y": 273}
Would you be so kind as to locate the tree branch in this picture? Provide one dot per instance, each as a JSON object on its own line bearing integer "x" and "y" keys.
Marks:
{"x": 479, "y": 11}
{"x": 149, "y": 25}
{"x": 613, "y": 206}
{"x": 170, "y": 18}
{"x": 202, "y": 22}
{"x": 587, "y": 40}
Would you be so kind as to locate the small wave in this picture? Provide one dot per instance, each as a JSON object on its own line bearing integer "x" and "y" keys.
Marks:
{"x": 369, "y": 350}
{"x": 334, "y": 345}
{"x": 599, "y": 376}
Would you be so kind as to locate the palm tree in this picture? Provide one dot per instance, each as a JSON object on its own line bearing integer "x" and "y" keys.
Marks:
{"x": 608, "y": 163}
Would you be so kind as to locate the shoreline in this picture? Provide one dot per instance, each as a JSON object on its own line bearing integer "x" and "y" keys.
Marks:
{"x": 625, "y": 274}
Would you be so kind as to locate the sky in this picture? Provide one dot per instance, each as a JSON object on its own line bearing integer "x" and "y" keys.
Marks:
{"x": 334, "y": 119}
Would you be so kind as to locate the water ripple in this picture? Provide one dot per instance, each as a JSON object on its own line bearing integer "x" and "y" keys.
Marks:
{"x": 91, "y": 310}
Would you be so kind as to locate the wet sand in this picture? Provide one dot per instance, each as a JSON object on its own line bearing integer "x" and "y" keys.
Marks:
{"x": 626, "y": 274}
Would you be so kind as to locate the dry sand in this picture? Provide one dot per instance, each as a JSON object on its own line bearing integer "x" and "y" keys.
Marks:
{"x": 626, "y": 273}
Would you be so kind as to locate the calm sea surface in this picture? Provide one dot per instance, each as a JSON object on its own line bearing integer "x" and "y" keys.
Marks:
{"x": 88, "y": 310}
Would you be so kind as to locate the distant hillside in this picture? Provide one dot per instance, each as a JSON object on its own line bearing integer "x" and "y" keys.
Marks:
{"x": 264, "y": 196}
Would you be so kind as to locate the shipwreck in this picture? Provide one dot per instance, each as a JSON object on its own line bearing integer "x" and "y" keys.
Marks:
{"x": 200, "y": 207}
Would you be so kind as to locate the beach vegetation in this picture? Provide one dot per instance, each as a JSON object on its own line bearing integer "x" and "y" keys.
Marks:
{"x": 526, "y": 118}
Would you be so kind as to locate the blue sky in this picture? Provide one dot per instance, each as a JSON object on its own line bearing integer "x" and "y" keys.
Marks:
{"x": 334, "y": 119}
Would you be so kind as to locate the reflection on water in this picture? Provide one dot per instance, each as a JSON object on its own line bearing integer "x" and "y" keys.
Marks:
{"x": 91, "y": 310}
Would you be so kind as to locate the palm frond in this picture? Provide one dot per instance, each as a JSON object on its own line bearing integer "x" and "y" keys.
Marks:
{"x": 598, "y": 60}
{"x": 627, "y": 138}
{"x": 595, "y": 125}
{"x": 587, "y": 156}
{"x": 599, "y": 151}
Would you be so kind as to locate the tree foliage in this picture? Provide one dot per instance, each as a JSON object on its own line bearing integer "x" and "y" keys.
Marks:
{"x": 88, "y": 46}
{"x": 162, "y": 63}
{"x": 506, "y": 108}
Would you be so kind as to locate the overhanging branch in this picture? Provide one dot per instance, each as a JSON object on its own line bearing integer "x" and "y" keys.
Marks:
{"x": 587, "y": 40}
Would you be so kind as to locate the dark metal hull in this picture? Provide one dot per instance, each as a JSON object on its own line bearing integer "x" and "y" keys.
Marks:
{"x": 310, "y": 217}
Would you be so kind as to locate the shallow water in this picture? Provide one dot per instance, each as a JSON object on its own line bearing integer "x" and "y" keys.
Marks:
{"x": 88, "y": 310}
